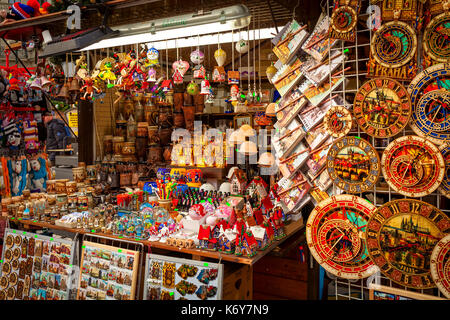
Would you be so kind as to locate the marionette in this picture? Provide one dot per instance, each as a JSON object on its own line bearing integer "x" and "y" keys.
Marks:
{"x": 37, "y": 174}
{"x": 17, "y": 175}
{"x": 88, "y": 88}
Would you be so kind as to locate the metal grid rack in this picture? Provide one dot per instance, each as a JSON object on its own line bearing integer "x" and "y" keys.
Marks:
{"x": 358, "y": 56}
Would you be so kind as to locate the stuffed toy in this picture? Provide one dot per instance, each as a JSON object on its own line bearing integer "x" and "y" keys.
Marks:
{"x": 37, "y": 174}
{"x": 31, "y": 138}
{"x": 17, "y": 176}
{"x": 12, "y": 135}
{"x": 20, "y": 11}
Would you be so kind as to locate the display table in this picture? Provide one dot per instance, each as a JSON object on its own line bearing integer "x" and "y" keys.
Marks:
{"x": 238, "y": 278}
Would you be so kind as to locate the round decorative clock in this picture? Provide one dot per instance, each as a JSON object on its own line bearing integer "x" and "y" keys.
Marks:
{"x": 400, "y": 237}
{"x": 394, "y": 44}
{"x": 444, "y": 188}
{"x": 382, "y": 107}
{"x": 436, "y": 38}
{"x": 440, "y": 265}
{"x": 412, "y": 166}
{"x": 430, "y": 101}
{"x": 338, "y": 121}
{"x": 335, "y": 234}
{"x": 344, "y": 19}
{"x": 353, "y": 164}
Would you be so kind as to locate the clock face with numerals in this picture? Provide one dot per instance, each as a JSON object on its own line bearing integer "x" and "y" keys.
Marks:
{"x": 394, "y": 44}
{"x": 400, "y": 237}
{"x": 440, "y": 265}
{"x": 338, "y": 121}
{"x": 444, "y": 188}
{"x": 382, "y": 107}
{"x": 412, "y": 166}
{"x": 344, "y": 19}
{"x": 436, "y": 38}
{"x": 431, "y": 116}
{"x": 335, "y": 235}
{"x": 353, "y": 164}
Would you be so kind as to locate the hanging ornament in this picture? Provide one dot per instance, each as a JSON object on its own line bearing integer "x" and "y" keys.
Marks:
{"x": 181, "y": 65}
{"x": 192, "y": 88}
{"x": 242, "y": 46}
{"x": 197, "y": 57}
{"x": 151, "y": 75}
{"x": 219, "y": 74}
{"x": 199, "y": 72}
{"x": 152, "y": 57}
{"x": 177, "y": 77}
{"x": 270, "y": 72}
{"x": 234, "y": 92}
{"x": 205, "y": 87}
{"x": 221, "y": 56}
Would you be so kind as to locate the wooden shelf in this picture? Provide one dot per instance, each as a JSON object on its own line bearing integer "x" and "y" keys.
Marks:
{"x": 290, "y": 229}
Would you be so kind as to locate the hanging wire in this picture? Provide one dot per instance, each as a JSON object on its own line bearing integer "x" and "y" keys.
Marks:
{"x": 167, "y": 62}
{"x": 293, "y": 11}
{"x": 259, "y": 55}
{"x": 254, "y": 59}
{"x": 248, "y": 56}
{"x": 232, "y": 49}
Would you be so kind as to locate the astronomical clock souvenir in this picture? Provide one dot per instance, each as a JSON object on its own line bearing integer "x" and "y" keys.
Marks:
{"x": 344, "y": 19}
{"x": 430, "y": 101}
{"x": 393, "y": 52}
{"x": 401, "y": 236}
{"x": 405, "y": 10}
{"x": 413, "y": 166}
{"x": 440, "y": 265}
{"x": 338, "y": 121}
{"x": 444, "y": 188}
{"x": 436, "y": 45}
{"x": 382, "y": 107}
{"x": 335, "y": 236}
{"x": 353, "y": 164}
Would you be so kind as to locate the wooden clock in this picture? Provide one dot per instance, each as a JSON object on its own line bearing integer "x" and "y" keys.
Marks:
{"x": 353, "y": 164}
{"x": 444, "y": 188}
{"x": 394, "y": 44}
{"x": 440, "y": 265}
{"x": 412, "y": 166}
{"x": 393, "y": 52}
{"x": 436, "y": 38}
{"x": 382, "y": 107}
{"x": 344, "y": 19}
{"x": 335, "y": 235}
{"x": 429, "y": 92}
{"x": 401, "y": 236}
{"x": 338, "y": 121}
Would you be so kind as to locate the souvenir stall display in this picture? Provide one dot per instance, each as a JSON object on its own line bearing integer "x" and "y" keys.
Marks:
{"x": 36, "y": 267}
{"x": 107, "y": 273}
{"x": 170, "y": 278}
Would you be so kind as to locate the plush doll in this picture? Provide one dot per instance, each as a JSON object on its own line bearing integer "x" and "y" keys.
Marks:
{"x": 17, "y": 176}
{"x": 12, "y": 136}
{"x": 38, "y": 174}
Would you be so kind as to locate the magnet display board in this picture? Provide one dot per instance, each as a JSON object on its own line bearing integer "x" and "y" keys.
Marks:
{"x": 107, "y": 272}
{"x": 35, "y": 267}
{"x": 169, "y": 278}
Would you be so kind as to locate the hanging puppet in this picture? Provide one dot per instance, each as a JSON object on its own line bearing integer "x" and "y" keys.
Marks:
{"x": 17, "y": 170}
{"x": 38, "y": 175}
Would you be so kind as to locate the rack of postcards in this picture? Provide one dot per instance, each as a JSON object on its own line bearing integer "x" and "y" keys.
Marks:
{"x": 369, "y": 146}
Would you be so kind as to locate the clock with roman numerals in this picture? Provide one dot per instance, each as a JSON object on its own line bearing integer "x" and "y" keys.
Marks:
{"x": 382, "y": 107}
{"x": 436, "y": 42}
{"x": 353, "y": 164}
{"x": 412, "y": 166}
{"x": 335, "y": 233}
{"x": 440, "y": 265}
{"x": 444, "y": 188}
{"x": 401, "y": 236}
{"x": 338, "y": 121}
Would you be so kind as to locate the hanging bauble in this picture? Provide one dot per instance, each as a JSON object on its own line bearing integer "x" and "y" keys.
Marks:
{"x": 270, "y": 72}
{"x": 220, "y": 56}
{"x": 197, "y": 57}
{"x": 242, "y": 46}
{"x": 181, "y": 65}
{"x": 192, "y": 88}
